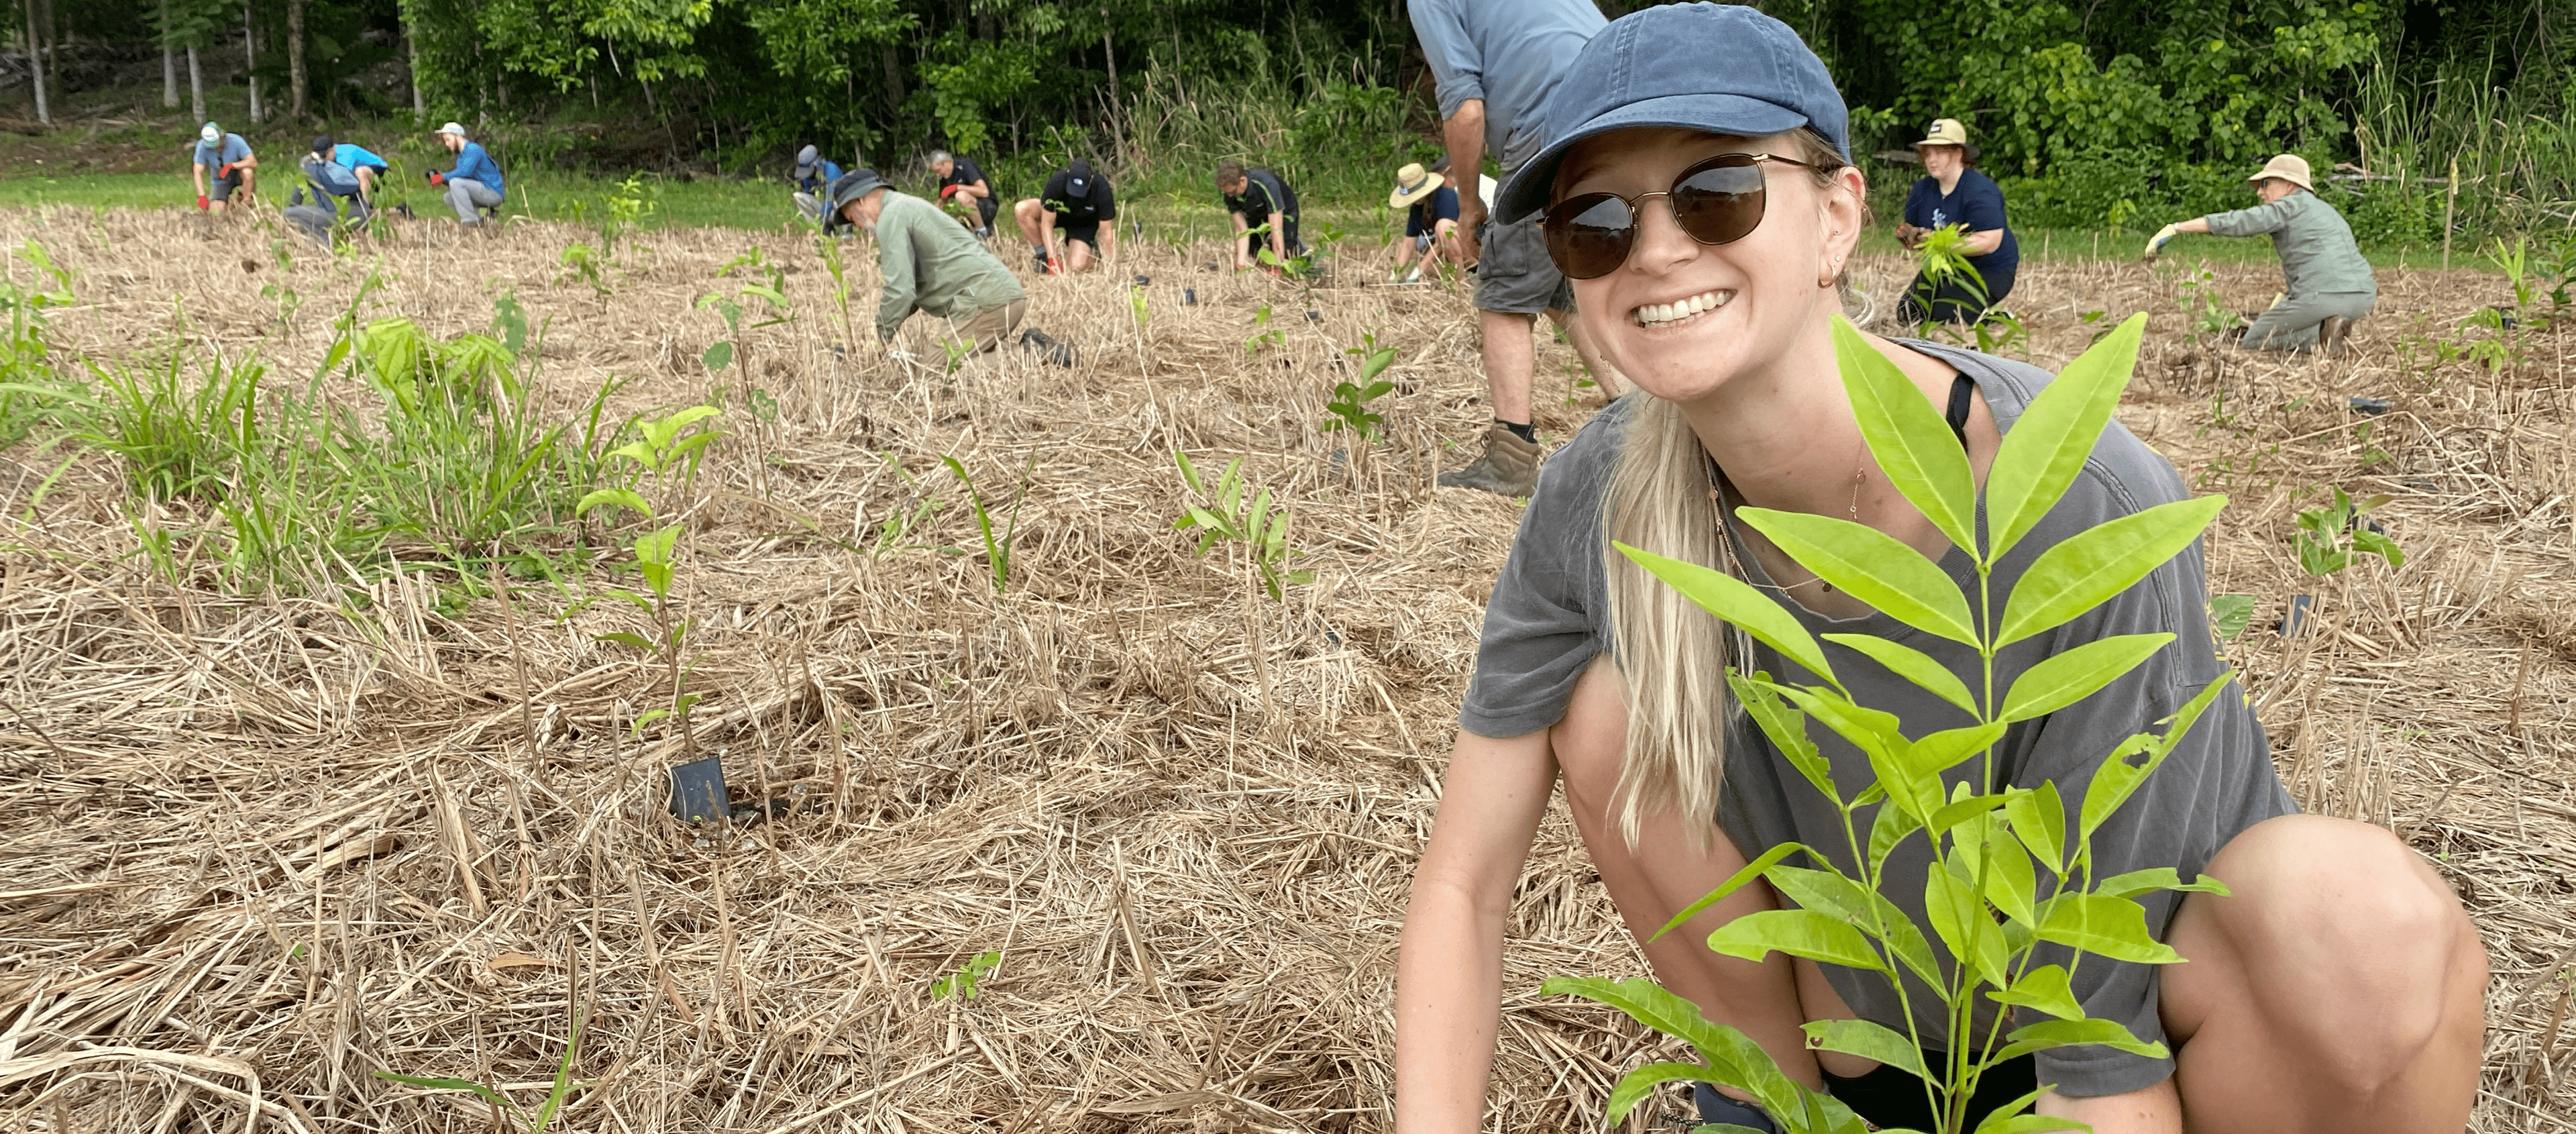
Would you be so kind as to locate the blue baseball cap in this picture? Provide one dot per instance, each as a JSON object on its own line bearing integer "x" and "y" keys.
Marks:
{"x": 1721, "y": 68}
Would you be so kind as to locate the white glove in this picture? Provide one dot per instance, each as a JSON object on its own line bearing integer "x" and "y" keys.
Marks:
{"x": 2156, "y": 243}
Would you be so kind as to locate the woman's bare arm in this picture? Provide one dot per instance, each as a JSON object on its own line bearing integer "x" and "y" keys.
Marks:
{"x": 1449, "y": 974}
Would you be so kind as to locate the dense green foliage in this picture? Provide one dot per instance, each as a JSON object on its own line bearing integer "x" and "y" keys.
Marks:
{"x": 2111, "y": 111}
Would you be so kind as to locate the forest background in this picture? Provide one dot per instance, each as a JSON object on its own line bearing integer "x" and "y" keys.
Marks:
{"x": 2116, "y": 114}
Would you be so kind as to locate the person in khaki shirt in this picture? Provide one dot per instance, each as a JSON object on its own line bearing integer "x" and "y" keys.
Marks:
{"x": 2327, "y": 283}
{"x": 931, "y": 264}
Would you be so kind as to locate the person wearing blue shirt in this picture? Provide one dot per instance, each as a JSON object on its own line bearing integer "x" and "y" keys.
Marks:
{"x": 814, "y": 177}
{"x": 1430, "y": 218}
{"x": 1954, "y": 192}
{"x": 475, "y": 183}
{"x": 364, "y": 165}
{"x": 222, "y": 165}
{"x": 329, "y": 170}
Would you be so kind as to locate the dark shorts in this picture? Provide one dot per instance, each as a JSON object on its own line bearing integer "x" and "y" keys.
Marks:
{"x": 1515, "y": 276}
{"x": 221, "y": 188}
{"x": 1253, "y": 244}
{"x": 1086, "y": 231}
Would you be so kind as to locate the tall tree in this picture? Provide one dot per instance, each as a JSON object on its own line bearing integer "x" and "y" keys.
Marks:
{"x": 196, "y": 86}
{"x": 250, "y": 62}
{"x": 169, "y": 63}
{"x": 295, "y": 55}
{"x": 36, "y": 66}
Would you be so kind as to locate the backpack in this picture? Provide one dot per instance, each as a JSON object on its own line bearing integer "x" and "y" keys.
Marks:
{"x": 332, "y": 177}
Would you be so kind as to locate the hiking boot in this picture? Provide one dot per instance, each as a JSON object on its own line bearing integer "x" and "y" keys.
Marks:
{"x": 1045, "y": 265}
{"x": 2330, "y": 335}
{"x": 1509, "y": 466}
{"x": 1058, "y": 353}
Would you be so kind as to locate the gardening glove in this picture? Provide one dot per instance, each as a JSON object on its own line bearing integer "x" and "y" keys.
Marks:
{"x": 201, "y": 202}
{"x": 437, "y": 178}
{"x": 2156, "y": 243}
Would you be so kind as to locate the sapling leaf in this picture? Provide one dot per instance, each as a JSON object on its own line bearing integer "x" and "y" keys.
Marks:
{"x": 1737, "y": 881}
{"x": 1189, "y": 472}
{"x": 2038, "y": 818}
{"x": 1639, "y": 1085}
{"x": 1948, "y": 748}
{"x": 1952, "y": 814}
{"x": 1813, "y": 934}
{"x": 480, "y": 1091}
{"x": 2055, "y": 435}
{"x": 1820, "y": 890}
{"x": 1904, "y": 940}
{"x": 619, "y": 497}
{"x": 2155, "y": 878}
{"x": 717, "y": 356}
{"x": 2071, "y": 675}
{"x": 1950, "y": 903}
{"x": 2011, "y": 884}
{"x": 1910, "y": 441}
{"x": 1734, "y": 1054}
{"x": 1888, "y": 829}
{"x": 2086, "y": 570}
{"x": 2047, "y": 1034}
{"x": 2116, "y": 779}
{"x": 1738, "y": 604}
{"x": 1786, "y": 728}
{"x": 626, "y": 638}
{"x": 2113, "y": 927}
{"x": 1877, "y": 736}
{"x": 2228, "y": 614}
{"x": 1872, "y": 566}
{"x": 1911, "y": 664}
{"x": 2043, "y": 989}
{"x": 1869, "y": 1041}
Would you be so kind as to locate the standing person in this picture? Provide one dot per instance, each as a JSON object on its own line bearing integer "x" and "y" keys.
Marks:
{"x": 1430, "y": 219}
{"x": 813, "y": 176}
{"x": 475, "y": 183}
{"x": 366, "y": 167}
{"x": 1954, "y": 191}
{"x": 220, "y": 166}
{"x": 1496, "y": 62}
{"x": 931, "y": 264}
{"x": 1697, "y": 184}
{"x": 1257, "y": 197}
{"x": 961, "y": 177}
{"x": 2328, "y": 284}
{"x": 1075, "y": 202}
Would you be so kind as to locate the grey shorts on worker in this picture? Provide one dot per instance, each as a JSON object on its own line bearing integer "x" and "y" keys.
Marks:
{"x": 1515, "y": 276}
{"x": 2292, "y": 323}
{"x": 467, "y": 195}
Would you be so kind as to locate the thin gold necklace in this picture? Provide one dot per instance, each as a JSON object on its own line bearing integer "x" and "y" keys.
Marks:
{"x": 1726, "y": 538}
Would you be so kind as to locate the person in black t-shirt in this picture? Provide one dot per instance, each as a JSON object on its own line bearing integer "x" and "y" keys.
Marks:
{"x": 1075, "y": 202}
{"x": 961, "y": 177}
{"x": 1430, "y": 219}
{"x": 1256, "y": 197}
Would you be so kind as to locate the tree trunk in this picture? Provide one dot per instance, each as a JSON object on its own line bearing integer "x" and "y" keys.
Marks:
{"x": 196, "y": 85}
{"x": 412, "y": 46}
{"x": 169, "y": 64}
{"x": 36, "y": 67}
{"x": 893, "y": 65}
{"x": 295, "y": 56}
{"x": 1112, "y": 53}
{"x": 250, "y": 62}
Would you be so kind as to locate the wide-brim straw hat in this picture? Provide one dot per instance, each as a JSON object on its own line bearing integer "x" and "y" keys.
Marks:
{"x": 1413, "y": 183}
{"x": 2288, "y": 167}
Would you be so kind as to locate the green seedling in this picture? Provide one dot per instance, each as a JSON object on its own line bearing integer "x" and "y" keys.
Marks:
{"x": 1350, "y": 404}
{"x": 584, "y": 263}
{"x": 2228, "y": 614}
{"x": 997, "y": 550}
{"x": 1223, "y": 514}
{"x": 830, "y": 250}
{"x": 2205, "y": 315}
{"x": 2012, "y": 868}
{"x": 2515, "y": 262}
{"x": 1136, "y": 306}
{"x": 531, "y": 1122}
{"x": 61, "y": 293}
{"x": 897, "y": 525}
{"x": 2331, "y": 537}
{"x": 667, "y": 449}
{"x": 960, "y": 985}
{"x": 1260, "y": 337}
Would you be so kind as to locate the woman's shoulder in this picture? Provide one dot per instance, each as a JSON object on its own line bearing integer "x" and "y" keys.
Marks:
{"x": 1571, "y": 483}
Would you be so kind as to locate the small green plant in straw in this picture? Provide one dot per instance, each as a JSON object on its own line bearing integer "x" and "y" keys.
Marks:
{"x": 528, "y": 1121}
{"x": 2011, "y": 867}
{"x": 2331, "y": 537}
{"x": 1350, "y": 402}
{"x": 1263, "y": 334}
{"x": 667, "y": 449}
{"x": 997, "y": 549}
{"x": 960, "y": 985}
{"x": 1221, "y": 513}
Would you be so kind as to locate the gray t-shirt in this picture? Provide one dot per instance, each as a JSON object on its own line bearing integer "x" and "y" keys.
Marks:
{"x": 2318, "y": 256}
{"x": 1549, "y": 616}
{"x": 1509, "y": 53}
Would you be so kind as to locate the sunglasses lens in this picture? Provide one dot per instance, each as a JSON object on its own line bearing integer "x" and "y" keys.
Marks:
{"x": 1719, "y": 202}
{"x": 1588, "y": 236}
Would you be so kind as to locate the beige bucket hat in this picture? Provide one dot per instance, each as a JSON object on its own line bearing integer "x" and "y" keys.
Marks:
{"x": 1944, "y": 132}
{"x": 2288, "y": 167}
{"x": 1413, "y": 183}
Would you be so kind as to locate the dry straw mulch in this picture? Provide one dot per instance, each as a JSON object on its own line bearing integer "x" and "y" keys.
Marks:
{"x": 264, "y": 846}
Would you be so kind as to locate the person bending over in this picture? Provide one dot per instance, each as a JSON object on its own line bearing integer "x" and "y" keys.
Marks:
{"x": 1954, "y": 191}
{"x": 1077, "y": 204}
{"x": 2327, "y": 284}
{"x": 220, "y": 166}
{"x": 1696, "y": 184}
{"x": 814, "y": 175}
{"x": 474, "y": 185}
{"x": 1430, "y": 219}
{"x": 930, "y": 263}
{"x": 364, "y": 165}
{"x": 1254, "y": 198}
{"x": 962, "y": 178}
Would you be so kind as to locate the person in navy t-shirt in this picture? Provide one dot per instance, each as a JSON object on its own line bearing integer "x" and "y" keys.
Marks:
{"x": 1430, "y": 217}
{"x": 1954, "y": 192}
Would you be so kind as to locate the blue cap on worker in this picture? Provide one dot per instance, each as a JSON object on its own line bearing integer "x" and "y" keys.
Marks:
{"x": 1722, "y": 68}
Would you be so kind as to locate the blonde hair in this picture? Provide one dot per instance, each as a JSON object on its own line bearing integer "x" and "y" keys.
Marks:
{"x": 1671, "y": 654}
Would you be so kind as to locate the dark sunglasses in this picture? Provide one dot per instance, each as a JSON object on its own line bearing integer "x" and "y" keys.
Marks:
{"x": 1716, "y": 202}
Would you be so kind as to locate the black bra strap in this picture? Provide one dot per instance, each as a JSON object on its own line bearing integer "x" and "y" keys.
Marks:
{"x": 1960, "y": 389}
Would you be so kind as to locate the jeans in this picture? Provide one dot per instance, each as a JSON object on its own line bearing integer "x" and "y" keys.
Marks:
{"x": 467, "y": 195}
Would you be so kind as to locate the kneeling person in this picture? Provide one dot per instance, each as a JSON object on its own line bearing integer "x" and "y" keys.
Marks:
{"x": 814, "y": 177}
{"x": 221, "y": 166}
{"x": 930, "y": 263}
{"x": 2328, "y": 284}
{"x": 1075, "y": 203}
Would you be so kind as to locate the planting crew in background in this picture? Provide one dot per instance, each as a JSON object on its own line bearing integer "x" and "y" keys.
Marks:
{"x": 221, "y": 165}
{"x": 475, "y": 183}
{"x": 959, "y": 177}
{"x": 930, "y": 263}
{"x": 1497, "y": 61}
{"x": 813, "y": 177}
{"x": 1696, "y": 181}
{"x": 1954, "y": 191}
{"x": 1430, "y": 219}
{"x": 1257, "y": 197}
{"x": 332, "y": 181}
{"x": 369, "y": 169}
{"x": 1074, "y": 203}
{"x": 2328, "y": 284}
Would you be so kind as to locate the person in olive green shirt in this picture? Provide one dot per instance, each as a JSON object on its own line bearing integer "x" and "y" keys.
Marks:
{"x": 2328, "y": 283}
{"x": 930, "y": 263}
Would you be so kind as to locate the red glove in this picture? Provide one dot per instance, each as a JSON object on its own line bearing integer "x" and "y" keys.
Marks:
{"x": 201, "y": 202}
{"x": 225, "y": 171}
{"x": 947, "y": 191}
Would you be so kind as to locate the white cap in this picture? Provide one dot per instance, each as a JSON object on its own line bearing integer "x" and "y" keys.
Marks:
{"x": 210, "y": 133}
{"x": 457, "y": 129}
